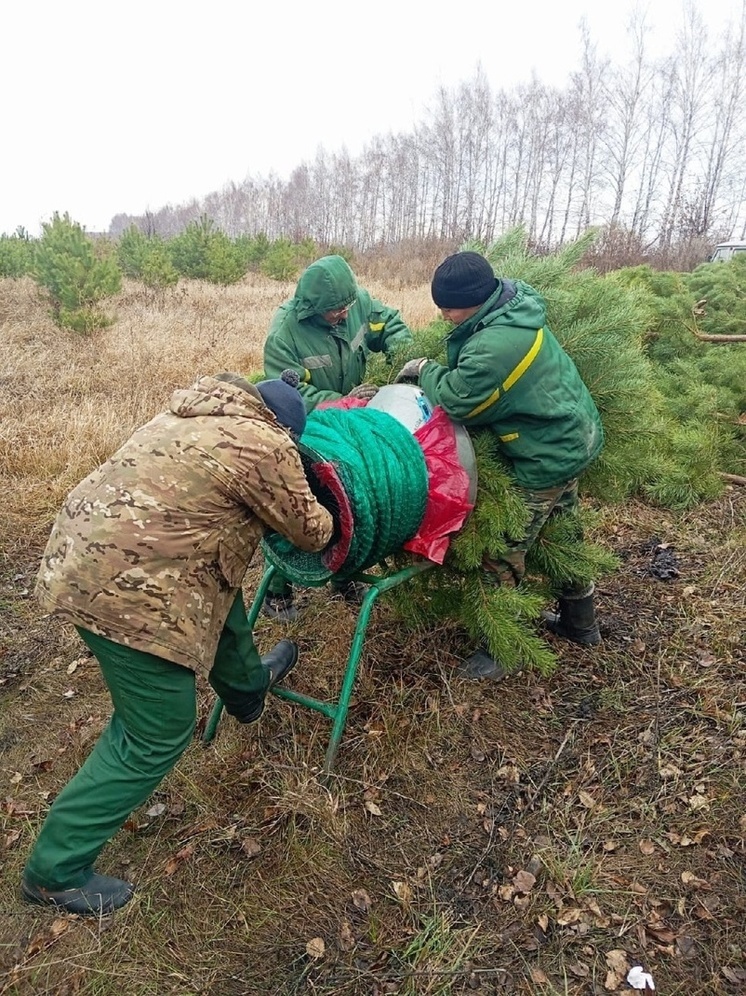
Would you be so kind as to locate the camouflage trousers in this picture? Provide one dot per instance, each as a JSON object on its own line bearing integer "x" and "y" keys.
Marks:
{"x": 510, "y": 568}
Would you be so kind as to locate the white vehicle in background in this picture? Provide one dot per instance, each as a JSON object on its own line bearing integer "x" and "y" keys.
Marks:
{"x": 727, "y": 250}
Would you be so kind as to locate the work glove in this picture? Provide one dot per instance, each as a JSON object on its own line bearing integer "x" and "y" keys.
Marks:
{"x": 411, "y": 370}
{"x": 363, "y": 391}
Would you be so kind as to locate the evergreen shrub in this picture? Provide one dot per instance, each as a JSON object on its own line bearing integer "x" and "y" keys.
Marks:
{"x": 75, "y": 274}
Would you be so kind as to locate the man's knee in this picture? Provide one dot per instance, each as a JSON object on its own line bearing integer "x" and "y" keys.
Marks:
{"x": 508, "y": 570}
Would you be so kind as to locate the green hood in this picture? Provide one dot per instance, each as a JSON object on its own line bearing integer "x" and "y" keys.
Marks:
{"x": 326, "y": 285}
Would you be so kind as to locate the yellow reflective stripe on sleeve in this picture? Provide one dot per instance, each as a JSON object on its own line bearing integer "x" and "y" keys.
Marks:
{"x": 376, "y": 326}
{"x": 512, "y": 377}
{"x": 509, "y": 437}
{"x": 485, "y": 404}
{"x": 525, "y": 363}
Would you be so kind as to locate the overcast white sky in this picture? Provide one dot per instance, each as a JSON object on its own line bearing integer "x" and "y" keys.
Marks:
{"x": 126, "y": 107}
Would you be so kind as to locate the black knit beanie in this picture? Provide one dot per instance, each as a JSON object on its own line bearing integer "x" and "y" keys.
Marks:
{"x": 283, "y": 398}
{"x": 463, "y": 280}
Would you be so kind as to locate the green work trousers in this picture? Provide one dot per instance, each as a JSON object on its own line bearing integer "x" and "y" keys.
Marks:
{"x": 151, "y": 726}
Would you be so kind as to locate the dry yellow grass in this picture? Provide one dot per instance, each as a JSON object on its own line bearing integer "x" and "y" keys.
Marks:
{"x": 67, "y": 402}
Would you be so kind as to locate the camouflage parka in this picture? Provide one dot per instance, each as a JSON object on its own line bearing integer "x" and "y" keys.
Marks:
{"x": 150, "y": 549}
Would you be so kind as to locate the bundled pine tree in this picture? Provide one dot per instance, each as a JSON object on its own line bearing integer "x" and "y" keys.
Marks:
{"x": 703, "y": 383}
{"x": 603, "y": 326}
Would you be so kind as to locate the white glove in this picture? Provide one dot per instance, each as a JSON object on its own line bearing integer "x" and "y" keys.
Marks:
{"x": 411, "y": 370}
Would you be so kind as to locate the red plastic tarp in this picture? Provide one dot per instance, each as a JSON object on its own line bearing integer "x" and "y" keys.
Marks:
{"x": 448, "y": 504}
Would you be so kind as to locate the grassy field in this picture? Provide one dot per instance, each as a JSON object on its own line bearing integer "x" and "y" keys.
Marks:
{"x": 539, "y": 836}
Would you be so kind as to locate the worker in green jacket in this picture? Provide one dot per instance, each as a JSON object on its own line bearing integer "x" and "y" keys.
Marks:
{"x": 325, "y": 333}
{"x": 506, "y": 371}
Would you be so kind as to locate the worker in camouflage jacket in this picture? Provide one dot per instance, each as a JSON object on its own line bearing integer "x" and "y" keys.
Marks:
{"x": 146, "y": 559}
{"x": 326, "y": 333}
{"x": 506, "y": 371}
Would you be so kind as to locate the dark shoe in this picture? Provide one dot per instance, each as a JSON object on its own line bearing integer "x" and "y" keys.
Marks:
{"x": 99, "y": 896}
{"x": 575, "y": 618}
{"x": 482, "y": 665}
{"x": 280, "y": 607}
{"x": 353, "y": 592}
{"x": 280, "y": 661}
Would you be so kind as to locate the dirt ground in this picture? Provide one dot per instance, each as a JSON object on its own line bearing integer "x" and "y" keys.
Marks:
{"x": 541, "y": 835}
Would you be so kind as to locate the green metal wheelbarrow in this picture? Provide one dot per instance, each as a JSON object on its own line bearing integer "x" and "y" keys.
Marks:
{"x": 337, "y": 710}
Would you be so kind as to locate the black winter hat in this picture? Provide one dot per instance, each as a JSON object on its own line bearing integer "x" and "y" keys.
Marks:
{"x": 463, "y": 280}
{"x": 283, "y": 398}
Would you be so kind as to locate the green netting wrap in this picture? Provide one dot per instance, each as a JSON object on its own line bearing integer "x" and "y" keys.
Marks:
{"x": 370, "y": 471}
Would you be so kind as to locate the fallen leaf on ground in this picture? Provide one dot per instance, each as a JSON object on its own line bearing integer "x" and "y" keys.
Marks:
{"x": 362, "y": 900}
{"x": 403, "y": 892}
{"x": 316, "y": 948}
{"x": 251, "y": 847}
{"x": 735, "y": 975}
{"x": 346, "y": 937}
{"x": 689, "y": 878}
{"x": 11, "y": 839}
{"x": 183, "y": 855}
{"x": 524, "y": 881}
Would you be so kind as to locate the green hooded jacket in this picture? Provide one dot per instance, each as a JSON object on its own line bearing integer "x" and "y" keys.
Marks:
{"x": 330, "y": 359}
{"x": 508, "y": 372}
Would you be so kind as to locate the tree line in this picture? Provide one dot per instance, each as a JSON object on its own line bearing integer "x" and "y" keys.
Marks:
{"x": 652, "y": 147}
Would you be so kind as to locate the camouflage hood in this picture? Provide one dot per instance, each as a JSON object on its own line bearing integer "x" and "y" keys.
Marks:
{"x": 326, "y": 285}
{"x": 209, "y": 396}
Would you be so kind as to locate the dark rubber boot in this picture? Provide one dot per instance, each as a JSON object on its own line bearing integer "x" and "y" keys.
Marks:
{"x": 280, "y": 607}
{"x": 99, "y": 896}
{"x": 279, "y": 661}
{"x": 576, "y": 617}
{"x": 353, "y": 592}
{"x": 482, "y": 665}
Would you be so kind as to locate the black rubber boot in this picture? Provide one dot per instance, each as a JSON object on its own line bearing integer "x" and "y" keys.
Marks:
{"x": 353, "y": 592}
{"x": 279, "y": 661}
{"x": 482, "y": 665}
{"x": 280, "y": 607}
{"x": 99, "y": 896}
{"x": 575, "y": 618}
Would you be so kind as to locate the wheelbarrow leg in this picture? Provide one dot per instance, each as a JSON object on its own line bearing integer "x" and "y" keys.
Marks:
{"x": 348, "y": 682}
